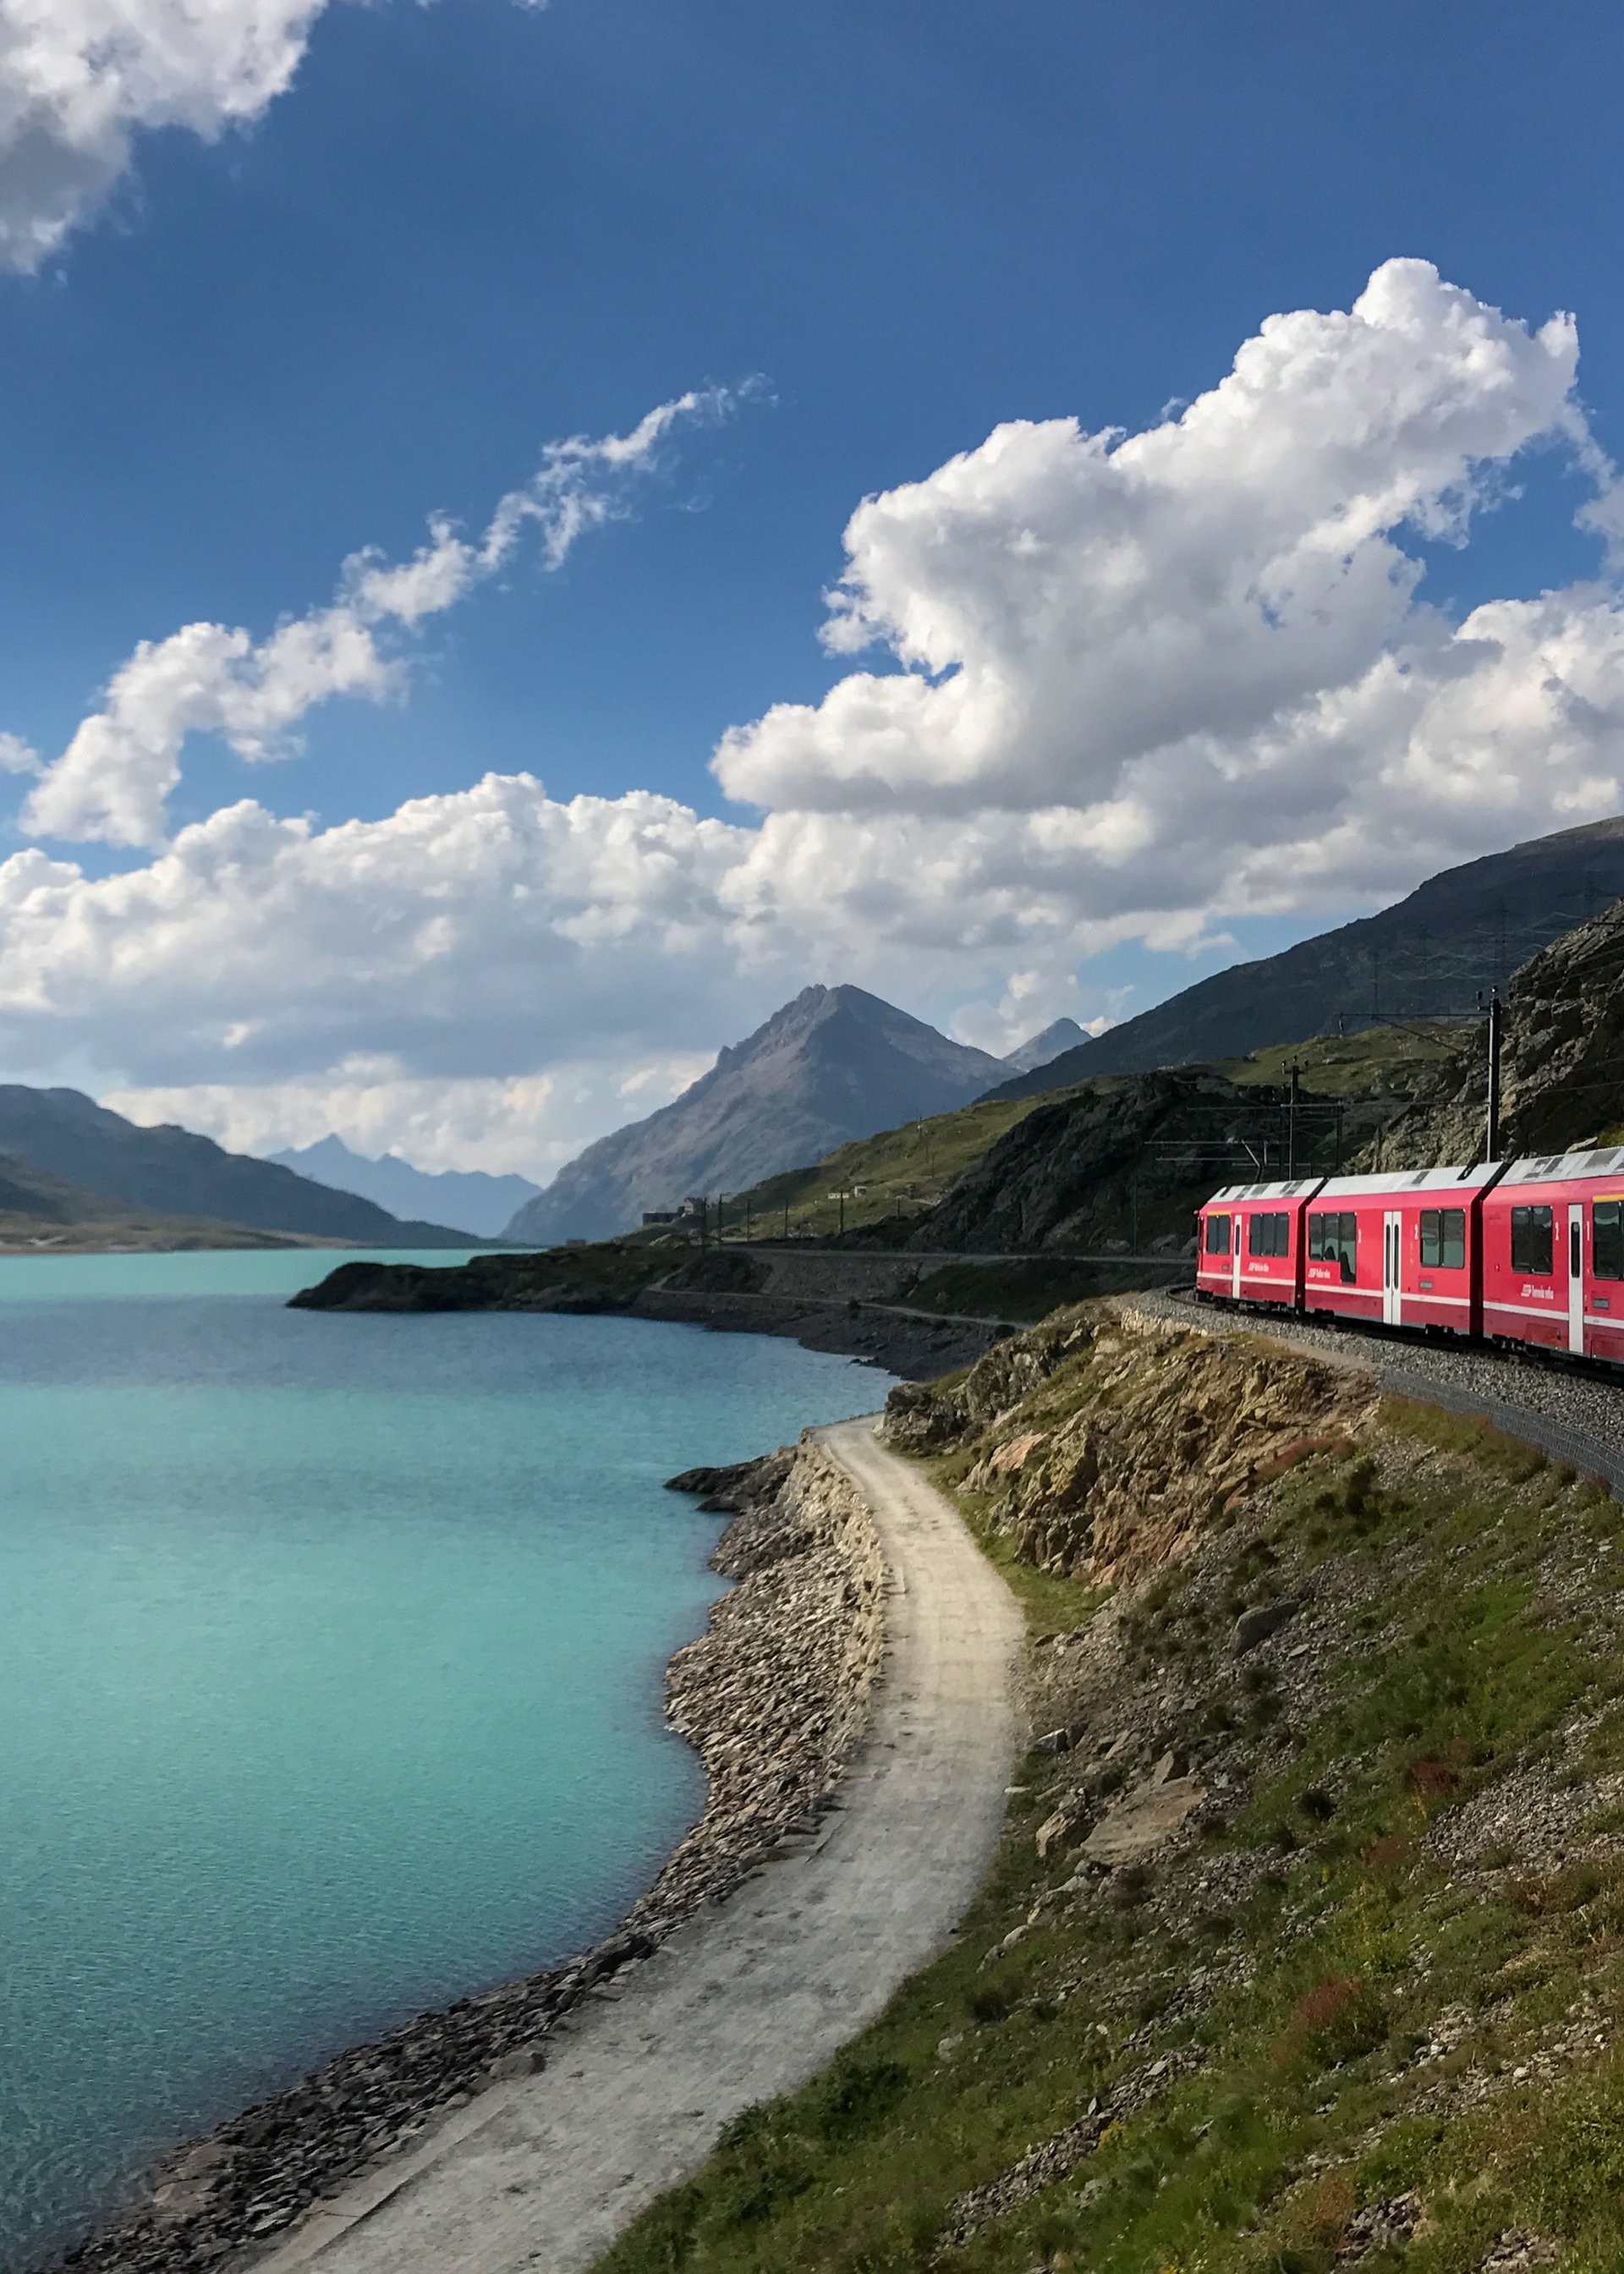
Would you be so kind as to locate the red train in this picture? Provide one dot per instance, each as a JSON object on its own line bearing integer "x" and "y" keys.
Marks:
{"x": 1520, "y": 1252}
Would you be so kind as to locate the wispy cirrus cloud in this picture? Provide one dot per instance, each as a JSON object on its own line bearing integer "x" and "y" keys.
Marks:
{"x": 112, "y": 782}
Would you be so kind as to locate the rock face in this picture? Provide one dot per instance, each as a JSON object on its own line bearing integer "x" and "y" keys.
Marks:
{"x": 1157, "y": 1429}
{"x": 1462, "y": 931}
{"x": 834, "y": 1065}
{"x": 774, "y": 1697}
{"x": 1561, "y": 1061}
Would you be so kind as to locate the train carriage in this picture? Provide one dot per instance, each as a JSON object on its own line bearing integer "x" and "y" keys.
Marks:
{"x": 1250, "y": 1243}
{"x": 1399, "y": 1249}
{"x": 1527, "y": 1252}
{"x": 1553, "y": 1254}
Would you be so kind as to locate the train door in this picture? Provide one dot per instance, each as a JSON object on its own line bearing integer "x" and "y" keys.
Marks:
{"x": 1575, "y": 1276}
{"x": 1240, "y": 1224}
{"x": 1392, "y": 1258}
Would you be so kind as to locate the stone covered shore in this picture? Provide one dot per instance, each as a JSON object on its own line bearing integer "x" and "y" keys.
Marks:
{"x": 773, "y": 1697}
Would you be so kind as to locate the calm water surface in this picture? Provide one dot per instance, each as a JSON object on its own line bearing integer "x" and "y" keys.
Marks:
{"x": 331, "y": 1673}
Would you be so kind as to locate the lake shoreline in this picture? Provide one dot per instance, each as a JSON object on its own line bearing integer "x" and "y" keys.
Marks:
{"x": 773, "y": 1695}
{"x": 848, "y": 1305}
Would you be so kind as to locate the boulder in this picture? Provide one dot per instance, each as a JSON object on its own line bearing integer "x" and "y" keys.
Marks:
{"x": 1139, "y": 1823}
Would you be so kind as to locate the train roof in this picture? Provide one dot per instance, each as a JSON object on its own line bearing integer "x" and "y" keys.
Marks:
{"x": 1469, "y": 1179}
{"x": 1299, "y": 1189}
{"x": 1558, "y": 1168}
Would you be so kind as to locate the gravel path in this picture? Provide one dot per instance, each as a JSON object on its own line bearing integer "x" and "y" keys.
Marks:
{"x": 746, "y": 2001}
{"x": 1573, "y": 1415}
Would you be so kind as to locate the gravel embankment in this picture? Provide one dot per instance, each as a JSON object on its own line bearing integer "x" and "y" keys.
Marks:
{"x": 774, "y": 1698}
{"x": 747, "y": 1999}
{"x": 1573, "y": 1415}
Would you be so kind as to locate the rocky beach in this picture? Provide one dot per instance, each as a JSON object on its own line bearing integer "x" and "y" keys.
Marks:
{"x": 773, "y": 1697}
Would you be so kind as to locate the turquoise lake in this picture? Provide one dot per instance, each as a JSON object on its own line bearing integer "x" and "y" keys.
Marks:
{"x": 332, "y": 1678}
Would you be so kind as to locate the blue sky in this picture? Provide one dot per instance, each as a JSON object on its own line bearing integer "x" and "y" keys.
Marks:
{"x": 468, "y": 229}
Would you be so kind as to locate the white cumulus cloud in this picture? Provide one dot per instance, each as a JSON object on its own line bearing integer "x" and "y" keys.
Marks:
{"x": 79, "y": 79}
{"x": 1068, "y": 604}
{"x": 1128, "y": 688}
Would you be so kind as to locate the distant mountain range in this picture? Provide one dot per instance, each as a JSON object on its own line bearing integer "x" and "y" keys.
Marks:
{"x": 467, "y": 1199}
{"x": 1039, "y": 1050}
{"x": 834, "y": 1065}
{"x": 1459, "y": 934}
{"x": 170, "y": 1171}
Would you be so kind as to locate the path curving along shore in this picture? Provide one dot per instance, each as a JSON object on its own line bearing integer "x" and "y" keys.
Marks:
{"x": 539, "y": 2174}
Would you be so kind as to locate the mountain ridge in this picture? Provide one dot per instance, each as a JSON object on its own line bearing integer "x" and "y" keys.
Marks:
{"x": 467, "y": 1200}
{"x": 1459, "y": 933}
{"x": 174, "y": 1171}
{"x": 41, "y": 1213}
{"x": 1040, "y": 1050}
{"x": 834, "y": 1064}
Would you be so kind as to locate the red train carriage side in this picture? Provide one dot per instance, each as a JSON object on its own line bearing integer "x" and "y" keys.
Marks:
{"x": 1402, "y": 1249}
{"x": 1553, "y": 1254}
{"x": 1250, "y": 1243}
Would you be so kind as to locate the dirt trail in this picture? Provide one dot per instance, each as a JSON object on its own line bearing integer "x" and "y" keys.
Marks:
{"x": 746, "y": 2001}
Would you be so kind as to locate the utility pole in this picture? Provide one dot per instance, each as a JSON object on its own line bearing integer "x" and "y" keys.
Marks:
{"x": 840, "y": 1196}
{"x": 1291, "y": 1125}
{"x": 1492, "y": 1134}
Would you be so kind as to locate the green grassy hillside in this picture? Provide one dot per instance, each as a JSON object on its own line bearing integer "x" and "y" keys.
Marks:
{"x": 906, "y": 1172}
{"x": 1357, "y": 2005}
{"x": 1355, "y": 1065}
{"x": 901, "y": 1170}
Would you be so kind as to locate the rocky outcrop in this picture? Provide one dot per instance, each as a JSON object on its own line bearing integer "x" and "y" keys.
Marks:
{"x": 1122, "y": 1163}
{"x": 811, "y": 1297}
{"x": 773, "y": 1697}
{"x": 1105, "y": 1442}
{"x": 923, "y": 1416}
{"x": 1561, "y": 1062}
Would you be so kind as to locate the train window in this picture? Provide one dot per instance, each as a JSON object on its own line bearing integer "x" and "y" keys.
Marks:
{"x": 1531, "y": 1246}
{"x": 1269, "y": 1233}
{"x": 1335, "y": 1238}
{"x": 1217, "y": 1235}
{"x": 1443, "y": 1239}
{"x": 1607, "y": 1240}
